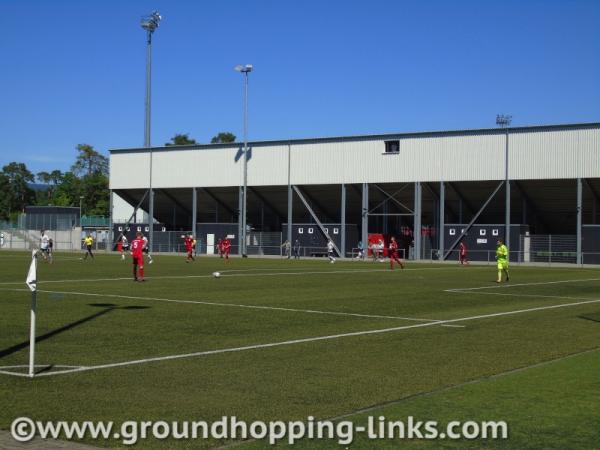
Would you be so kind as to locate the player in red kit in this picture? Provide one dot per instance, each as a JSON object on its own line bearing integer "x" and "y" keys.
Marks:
{"x": 188, "y": 241}
{"x": 226, "y": 247}
{"x": 462, "y": 253}
{"x": 393, "y": 253}
{"x": 220, "y": 247}
{"x": 137, "y": 253}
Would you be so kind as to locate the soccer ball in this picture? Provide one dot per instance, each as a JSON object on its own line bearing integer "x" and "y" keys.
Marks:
{"x": 216, "y": 274}
{"x": 182, "y": 236}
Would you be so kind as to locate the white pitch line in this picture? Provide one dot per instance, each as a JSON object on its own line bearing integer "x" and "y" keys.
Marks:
{"x": 224, "y": 274}
{"x": 559, "y": 297}
{"x": 26, "y": 375}
{"x": 506, "y": 286}
{"x": 232, "y": 305}
{"x": 306, "y": 340}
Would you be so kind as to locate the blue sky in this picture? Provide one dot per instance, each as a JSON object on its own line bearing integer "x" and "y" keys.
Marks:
{"x": 74, "y": 71}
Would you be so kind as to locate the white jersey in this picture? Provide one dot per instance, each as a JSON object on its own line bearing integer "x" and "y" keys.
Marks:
{"x": 330, "y": 246}
{"x": 145, "y": 239}
{"x": 44, "y": 243}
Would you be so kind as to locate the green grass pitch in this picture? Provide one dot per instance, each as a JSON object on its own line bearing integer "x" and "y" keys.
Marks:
{"x": 283, "y": 340}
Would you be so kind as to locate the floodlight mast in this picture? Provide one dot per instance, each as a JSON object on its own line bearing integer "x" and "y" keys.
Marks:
{"x": 150, "y": 24}
{"x": 504, "y": 121}
{"x": 245, "y": 69}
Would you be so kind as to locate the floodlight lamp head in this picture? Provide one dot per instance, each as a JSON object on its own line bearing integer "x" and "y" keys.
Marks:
{"x": 151, "y": 22}
{"x": 243, "y": 69}
{"x": 503, "y": 120}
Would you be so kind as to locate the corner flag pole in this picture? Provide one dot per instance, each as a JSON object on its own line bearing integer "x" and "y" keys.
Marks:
{"x": 31, "y": 283}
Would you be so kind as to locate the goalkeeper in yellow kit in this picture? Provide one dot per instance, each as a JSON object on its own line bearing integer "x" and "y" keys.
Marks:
{"x": 502, "y": 259}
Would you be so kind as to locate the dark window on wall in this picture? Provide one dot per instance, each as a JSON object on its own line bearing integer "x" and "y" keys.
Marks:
{"x": 392, "y": 146}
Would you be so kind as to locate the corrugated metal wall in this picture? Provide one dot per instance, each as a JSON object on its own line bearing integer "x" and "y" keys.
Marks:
{"x": 541, "y": 154}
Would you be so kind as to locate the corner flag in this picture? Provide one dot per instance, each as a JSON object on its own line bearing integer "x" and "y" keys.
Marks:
{"x": 31, "y": 283}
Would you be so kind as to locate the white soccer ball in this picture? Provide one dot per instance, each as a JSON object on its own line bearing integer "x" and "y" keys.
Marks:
{"x": 216, "y": 274}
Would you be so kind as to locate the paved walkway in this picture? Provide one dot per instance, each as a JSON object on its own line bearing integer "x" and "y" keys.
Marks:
{"x": 8, "y": 443}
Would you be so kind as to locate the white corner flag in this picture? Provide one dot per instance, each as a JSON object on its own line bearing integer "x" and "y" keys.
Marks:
{"x": 31, "y": 283}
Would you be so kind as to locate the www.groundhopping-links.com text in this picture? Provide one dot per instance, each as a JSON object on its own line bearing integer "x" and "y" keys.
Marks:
{"x": 130, "y": 432}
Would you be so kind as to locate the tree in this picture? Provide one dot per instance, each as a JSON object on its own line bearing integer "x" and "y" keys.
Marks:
{"x": 181, "y": 139}
{"x": 19, "y": 193}
{"x": 224, "y": 137}
{"x": 4, "y": 199}
{"x": 52, "y": 180}
{"x": 68, "y": 191}
{"x": 89, "y": 161}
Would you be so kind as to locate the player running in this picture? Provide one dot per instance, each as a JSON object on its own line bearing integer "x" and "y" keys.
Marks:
{"x": 50, "y": 250}
{"x": 122, "y": 245}
{"x": 462, "y": 254}
{"x": 147, "y": 249}
{"x": 393, "y": 253}
{"x": 88, "y": 241}
{"x": 502, "y": 259}
{"x": 330, "y": 249}
{"x": 188, "y": 242}
{"x": 137, "y": 253}
{"x": 44, "y": 242}
{"x": 226, "y": 248}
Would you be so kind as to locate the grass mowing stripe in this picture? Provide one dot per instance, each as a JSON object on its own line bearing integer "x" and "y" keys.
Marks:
{"x": 225, "y": 274}
{"x": 506, "y": 286}
{"x": 231, "y": 305}
{"x": 312, "y": 339}
{"x": 380, "y": 406}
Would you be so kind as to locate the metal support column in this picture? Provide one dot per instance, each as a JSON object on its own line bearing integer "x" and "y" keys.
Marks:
{"x": 579, "y": 214}
{"x": 343, "y": 223}
{"x": 507, "y": 205}
{"x": 111, "y": 237}
{"x": 316, "y": 218}
{"x": 151, "y": 220}
{"x": 442, "y": 230}
{"x": 290, "y": 199}
{"x": 240, "y": 234}
{"x": 365, "y": 218}
{"x": 417, "y": 222}
{"x": 475, "y": 217}
{"x": 194, "y": 211}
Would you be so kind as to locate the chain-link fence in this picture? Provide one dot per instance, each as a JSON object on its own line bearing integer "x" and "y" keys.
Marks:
{"x": 545, "y": 249}
{"x": 22, "y": 239}
{"x": 558, "y": 248}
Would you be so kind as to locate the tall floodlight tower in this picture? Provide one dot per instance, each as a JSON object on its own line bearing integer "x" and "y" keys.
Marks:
{"x": 246, "y": 69}
{"x": 503, "y": 121}
{"x": 150, "y": 24}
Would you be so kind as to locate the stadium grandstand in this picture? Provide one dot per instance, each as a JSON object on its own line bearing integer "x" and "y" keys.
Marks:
{"x": 541, "y": 182}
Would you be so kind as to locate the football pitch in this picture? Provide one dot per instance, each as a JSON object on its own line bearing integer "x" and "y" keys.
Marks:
{"x": 286, "y": 340}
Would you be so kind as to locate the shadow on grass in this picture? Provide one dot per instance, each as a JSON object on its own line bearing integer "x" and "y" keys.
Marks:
{"x": 593, "y": 317}
{"x": 106, "y": 308}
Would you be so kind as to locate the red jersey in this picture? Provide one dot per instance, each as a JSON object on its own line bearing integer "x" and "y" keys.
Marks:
{"x": 462, "y": 249}
{"x": 137, "y": 247}
{"x": 226, "y": 245}
{"x": 393, "y": 247}
{"x": 188, "y": 241}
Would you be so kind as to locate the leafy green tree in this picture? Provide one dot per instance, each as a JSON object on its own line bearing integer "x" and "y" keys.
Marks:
{"x": 5, "y": 197}
{"x": 181, "y": 139}
{"x": 224, "y": 137}
{"x": 94, "y": 188}
{"x": 19, "y": 193}
{"x": 89, "y": 161}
